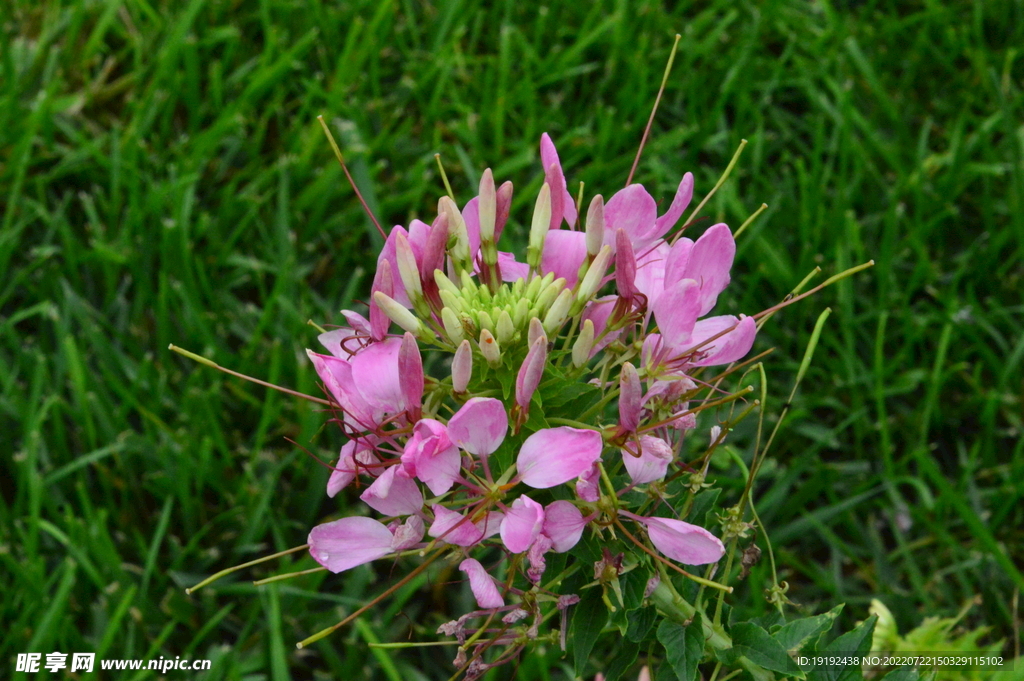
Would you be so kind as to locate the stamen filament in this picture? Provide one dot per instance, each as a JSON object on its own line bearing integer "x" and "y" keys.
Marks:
{"x": 223, "y": 573}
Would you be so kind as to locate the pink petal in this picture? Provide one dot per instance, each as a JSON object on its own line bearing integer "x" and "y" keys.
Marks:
{"x": 511, "y": 270}
{"x": 588, "y": 485}
{"x": 349, "y": 542}
{"x": 682, "y": 541}
{"x": 563, "y": 524}
{"x": 479, "y": 426}
{"x": 389, "y": 253}
{"x": 354, "y": 458}
{"x": 393, "y": 495}
{"x": 652, "y": 464}
{"x": 375, "y": 376}
{"x": 553, "y": 456}
{"x": 676, "y": 311}
{"x": 522, "y": 524}
{"x": 408, "y": 534}
{"x": 383, "y": 281}
{"x": 503, "y": 203}
{"x": 728, "y": 348}
{"x": 709, "y": 264}
{"x": 564, "y": 253}
{"x": 650, "y": 270}
{"x": 484, "y": 589}
{"x": 535, "y": 556}
{"x": 549, "y": 157}
{"x": 430, "y": 456}
{"x": 675, "y": 263}
{"x": 335, "y": 341}
{"x": 633, "y": 210}
{"x": 337, "y": 377}
{"x": 679, "y": 203}
{"x": 453, "y": 527}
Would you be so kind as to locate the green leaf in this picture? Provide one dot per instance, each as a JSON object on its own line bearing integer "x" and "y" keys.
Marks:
{"x": 854, "y": 643}
{"x": 588, "y": 619}
{"x": 902, "y": 674}
{"x": 702, "y": 503}
{"x": 757, "y": 645}
{"x": 684, "y": 646}
{"x": 622, "y": 662}
{"x": 793, "y": 635}
{"x": 562, "y": 393}
{"x": 641, "y": 622}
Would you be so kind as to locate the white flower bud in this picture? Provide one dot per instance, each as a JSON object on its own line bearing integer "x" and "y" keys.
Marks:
{"x": 583, "y": 345}
{"x": 452, "y": 325}
{"x": 592, "y": 281}
{"x": 505, "y": 328}
{"x": 462, "y": 367}
{"x": 445, "y": 284}
{"x": 558, "y": 313}
{"x": 397, "y": 313}
{"x": 535, "y": 332}
{"x": 489, "y": 347}
{"x": 595, "y": 225}
{"x": 458, "y": 240}
{"x": 539, "y": 227}
{"x": 487, "y": 206}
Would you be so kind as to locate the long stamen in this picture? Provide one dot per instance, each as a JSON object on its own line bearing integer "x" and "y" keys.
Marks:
{"x": 654, "y": 110}
{"x": 352, "y": 183}
{"x": 223, "y": 573}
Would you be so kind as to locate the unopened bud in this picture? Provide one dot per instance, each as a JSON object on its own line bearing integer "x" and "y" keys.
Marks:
{"x": 433, "y": 252}
{"x": 486, "y": 322}
{"x": 410, "y": 374}
{"x": 503, "y": 204}
{"x": 462, "y": 367}
{"x": 489, "y": 347}
{"x": 630, "y": 396}
{"x": 409, "y": 271}
{"x": 401, "y": 316}
{"x": 452, "y": 325}
{"x": 595, "y": 225}
{"x": 535, "y": 332}
{"x": 592, "y": 281}
{"x": 445, "y": 284}
{"x": 488, "y": 207}
{"x": 505, "y": 328}
{"x": 539, "y": 227}
{"x": 458, "y": 234}
{"x": 558, "y": 313}
{"x": 549, "y": 293}
{"x": 583, "y": 345}
{"x": 451, "y": 300}
{"x": 519, "y": 314}
{"x": 531, "y": 372}
{"x": 625, "y": 266}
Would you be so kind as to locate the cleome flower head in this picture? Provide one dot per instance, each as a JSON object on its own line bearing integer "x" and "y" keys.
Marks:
{"x": 561, "y": 397}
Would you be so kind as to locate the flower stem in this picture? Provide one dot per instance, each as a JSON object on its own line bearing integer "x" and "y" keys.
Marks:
{"x": 223, "y": 573}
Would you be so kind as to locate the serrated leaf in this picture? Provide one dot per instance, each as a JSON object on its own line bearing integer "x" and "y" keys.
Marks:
{"x": 853, "y": 643}
{"x": 757, "y": 645}
{"x": 684, "y": 646}
{"x": 623, "y": 661}
{"x": 902, "y": 674}
{"x": 641, "y": 622}
{"x": 588, "y": 619}
{"x": 793, "y": 635}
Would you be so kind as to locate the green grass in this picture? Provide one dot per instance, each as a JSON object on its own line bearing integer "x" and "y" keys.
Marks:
{"x": 163, "y": 180}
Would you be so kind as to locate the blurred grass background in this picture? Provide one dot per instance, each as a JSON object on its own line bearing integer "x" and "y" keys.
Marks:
{"x": 163, "y": 180}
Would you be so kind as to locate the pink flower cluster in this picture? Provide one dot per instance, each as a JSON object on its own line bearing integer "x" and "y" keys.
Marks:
{"x": 472, "y": 460}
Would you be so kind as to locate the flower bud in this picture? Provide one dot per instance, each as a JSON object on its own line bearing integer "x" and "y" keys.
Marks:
{"x": 539, "y": 227}
{"x": 535, "y": 331}
{"x": 505, "y": 328}
{"x": 549, "y": 293}
{"x": 625, "y": 266}
{"x": 489, "y": 347}
{"x": 531, "y": 372}
{"x": 503, "y": 204}
{"x": 458, "y": 235}
{"x": 630, "y": 396}
{"x": 401, "y": 316}
{"x": 433, "y": 252}
{"x": 451, "y": 300}
{"x": 519, "y": 314}
{"x": 583, "y": 345}
{"x": 485, "y": 321}
{"x": 445, "y": 284}
{"x": 558, "y": 313}
{"x": 452, "y": 324}
{"x": 592, "y": 281}
{"x": 595, "y": 226}
{"x": 462, "y": 367}
{"x": 409, "y": 271}
{"x": 487, "y": 207}
{"x": 381, "y": 282}
{"x": 410, "y": 374}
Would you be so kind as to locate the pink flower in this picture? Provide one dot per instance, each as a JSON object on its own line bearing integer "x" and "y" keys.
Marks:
{"x": 430, "y": 456}
{"x": 522, "y": 524}
{"x": 652, "y": 464}
{"x": 564, "y": 253}
{"x": 730, "y": 347}
{"x": 484, "y": 589}
{"x": 408, "y": 534}
{"x": 479, "y": 426}
{"x": 562, "y": 203}
{"x": 349, "y": 542}
{"x": 553, "y": 456}
{"x": 681, "y": 541}
{"x": 634, "y": 210}
{"x": 588, "y": 484}
{"x": 630, "y": 395}
{"x": 392, "y": 494}
{"x": 676, "y": 311}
